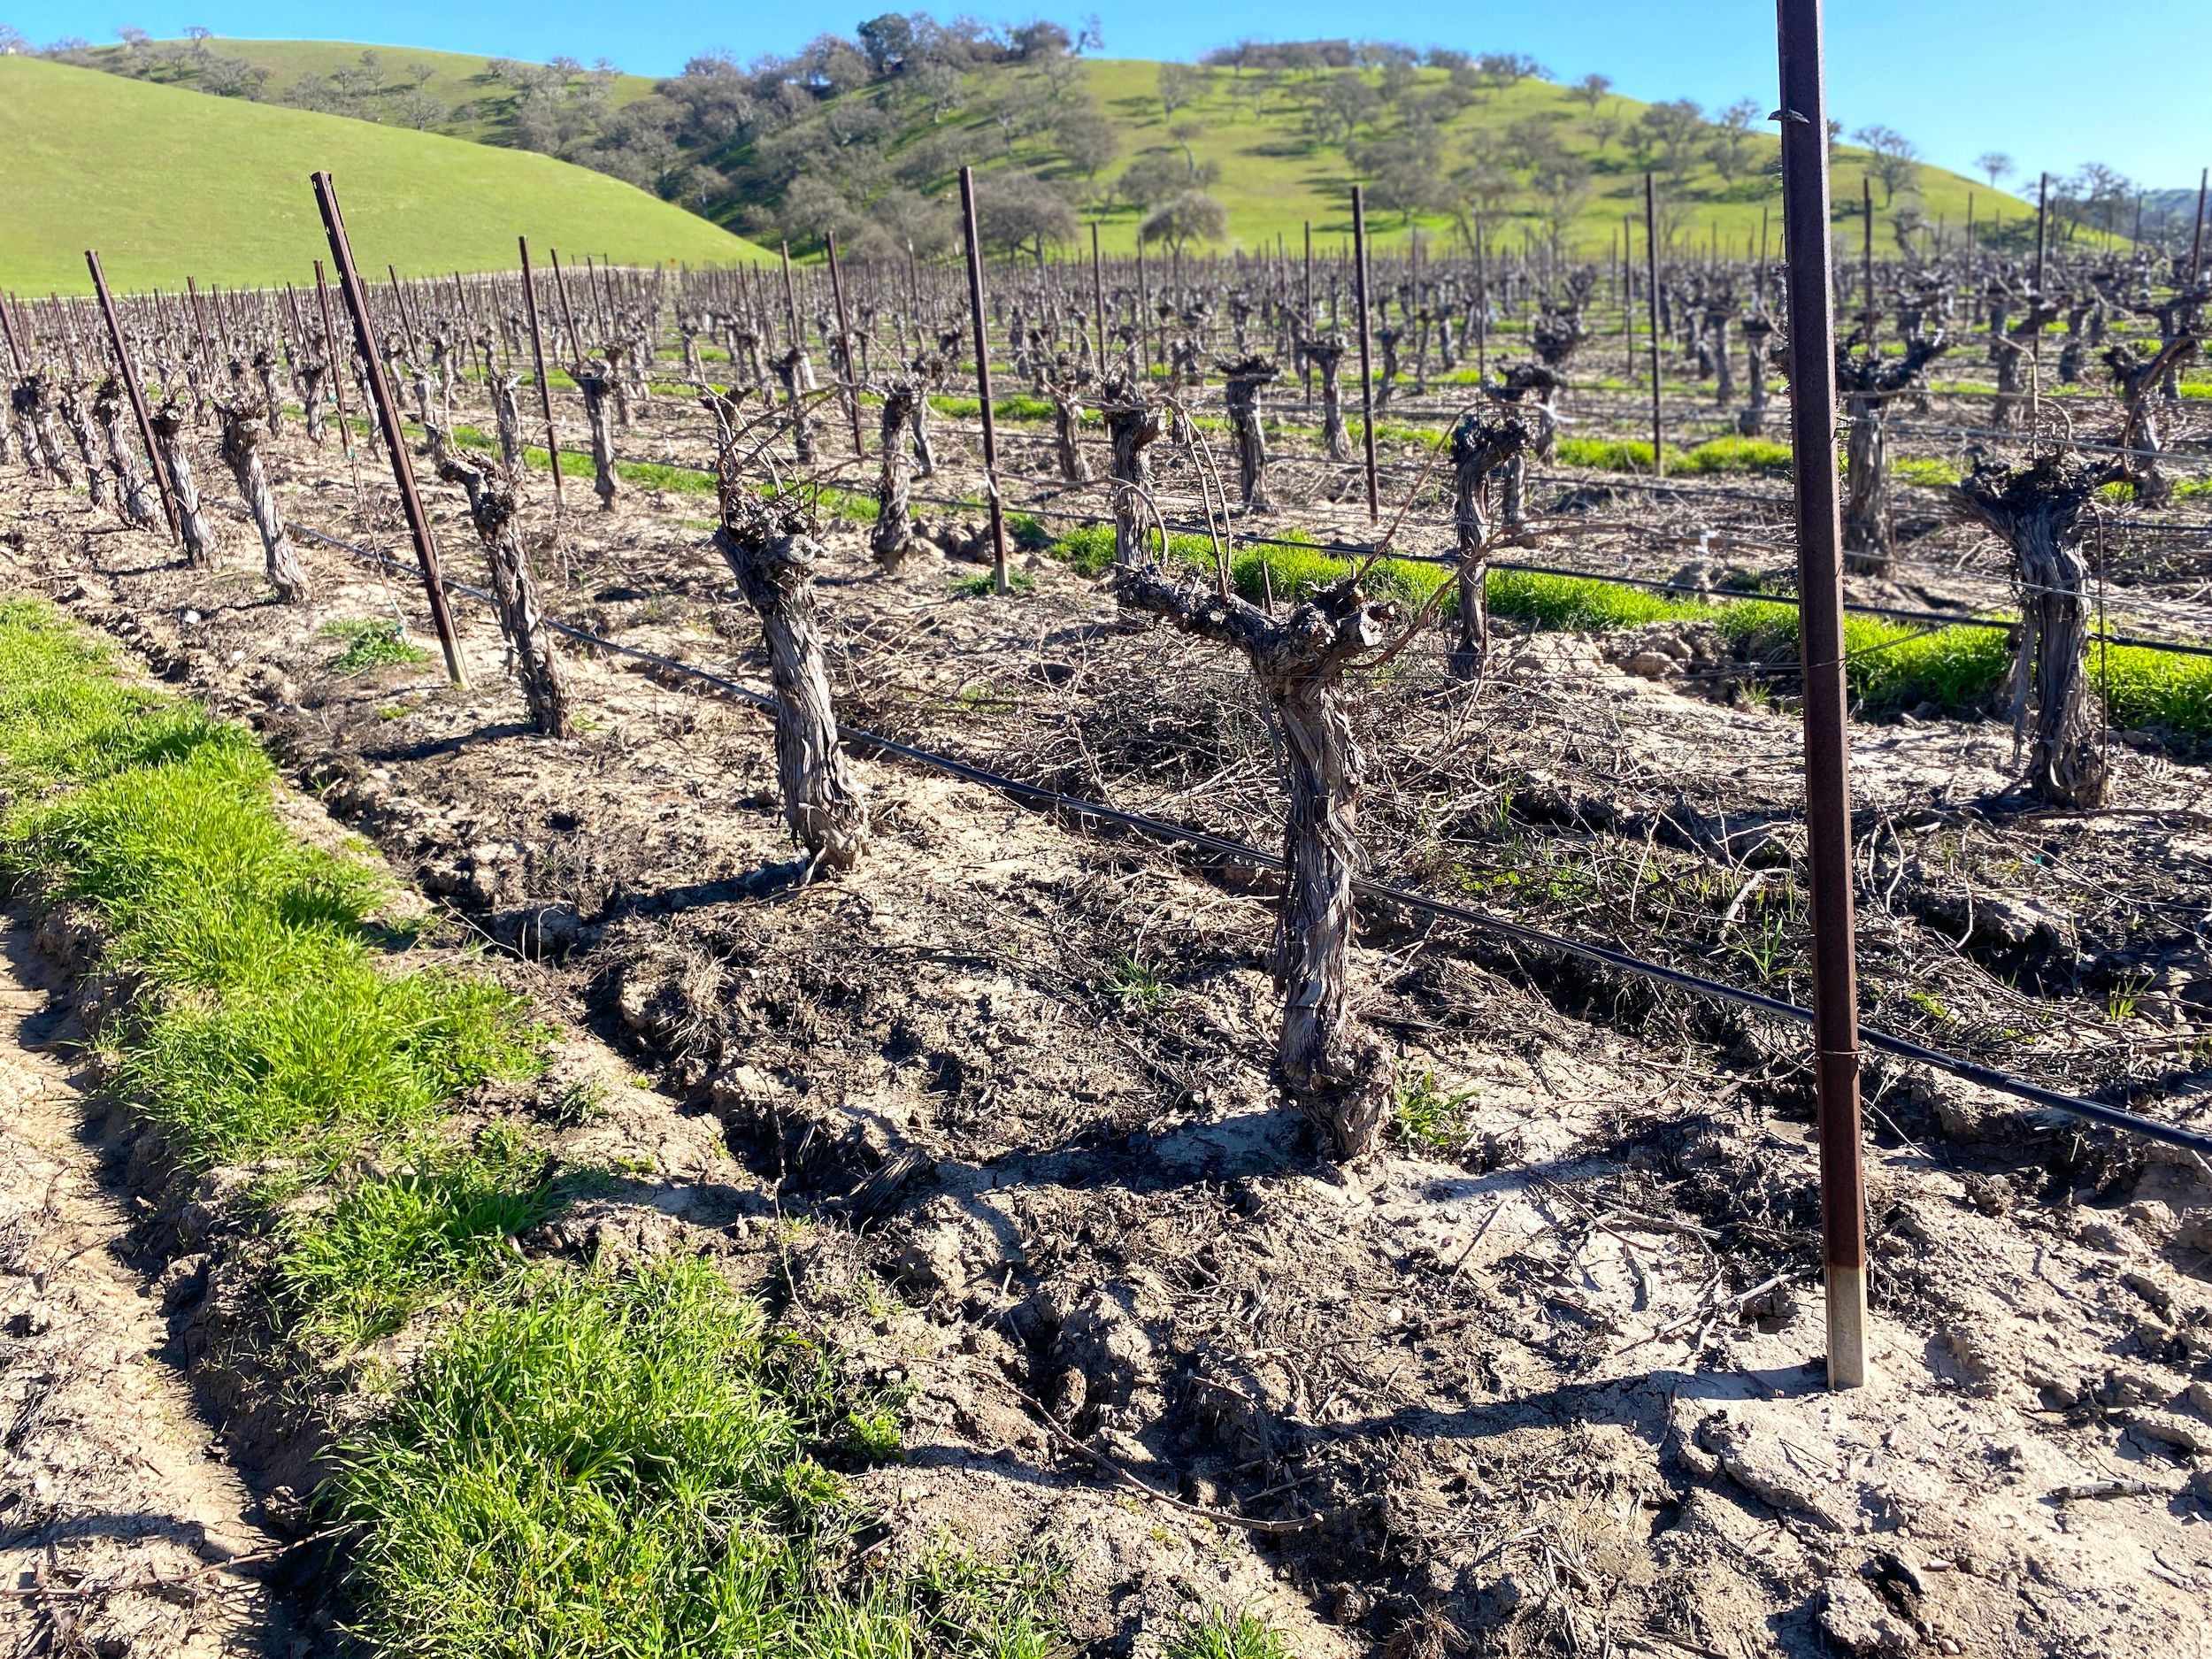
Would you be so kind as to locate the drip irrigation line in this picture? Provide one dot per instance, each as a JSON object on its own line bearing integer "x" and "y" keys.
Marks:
{"x": 1224, "y": 847}
{"x": 1346, "y": 549}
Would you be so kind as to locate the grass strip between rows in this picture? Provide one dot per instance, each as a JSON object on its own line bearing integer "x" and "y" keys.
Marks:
{"x": 577, "y": 1461}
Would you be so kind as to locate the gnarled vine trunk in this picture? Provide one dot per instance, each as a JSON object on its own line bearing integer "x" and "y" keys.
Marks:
{"x": 507, "y": 415}
{"x": 74, "y": 417}
{"x": 771, "y": 548}
{"x": 592, "y": 381}
{"x": 1132, "y": 424}
{"x": 200, "y": 541}
{"x": 892, "y": 536}
{"x": 1243, "y": 381}
{"x": 1336, "y": 1074}
{"x": 2040, "y": 510}
{"x": 35, "y": 407}
{"x": 243, "y": 434}
{"x": 140, "y": 501}
{"x": 491, "y": 501}
{"x": 1327, "y": 355}
{"x": 1482, "y": 445}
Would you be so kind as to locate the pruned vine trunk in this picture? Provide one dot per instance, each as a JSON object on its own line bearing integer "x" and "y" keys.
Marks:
{"x": 507, "y": 414}
{"x": 35, "y": 407}
{"x": 312, "y": 374}
{"x": 140, "y": 501}
{"x": 2039, "y": 513}
{"x": 591, "y": 381}
{"x": 1868, "y": 531}
{"x": 200, "y": 541}
{"x": 492, "y": 502}
{"x": 796, "y": 378}
{"x": 74, "y": 417}
{"x": 1482, "y": 445}
{"x": 1132, "y": 424}
{"x": 771, "y": 548}
{"x": 243, "y": 434}
{"x": 1336, "y": 1073}
{"x": 1327, "y": 355}
{"x": 1243, "y": 381}
{"x": 892, "y": 536}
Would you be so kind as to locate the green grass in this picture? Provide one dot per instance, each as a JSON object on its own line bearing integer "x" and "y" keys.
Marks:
{"x": 273, "y": 1023}
{"x": 2147, "y": 687}
{"x": 590, "y": 1465}
{"x": 217, "y": 188}
{"x": 1002, "y": 408}
{"x": 1715, "y": 456}
{"x": 370, "y": 643}
{"x": 1924, "y": 473}
{"x": 576, "y": 1461}
{"x": 985, "y": 585}
{"x": 1220, "y": 1632}
{"x": 359, "y": 1266}
{"x": 455, "y": 79}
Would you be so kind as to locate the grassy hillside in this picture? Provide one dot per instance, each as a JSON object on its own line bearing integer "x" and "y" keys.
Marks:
{"x": 1275, "y": 176}
{"x": 1266, "y": 153}
{"x": 167, "y": 183}
{"x": 478, "y": 105}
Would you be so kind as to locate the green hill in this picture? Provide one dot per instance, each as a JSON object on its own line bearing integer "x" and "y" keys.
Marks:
{"x": 864, "y": 150}
{"x": 1280, "y": 163}
{"x": 168, "y": 183}
{"x": 459, "y": 97}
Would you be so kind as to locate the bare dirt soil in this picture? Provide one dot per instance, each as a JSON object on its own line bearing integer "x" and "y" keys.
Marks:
{"x": 1556, "y": 1388}
{"x": 124, "y": 1528}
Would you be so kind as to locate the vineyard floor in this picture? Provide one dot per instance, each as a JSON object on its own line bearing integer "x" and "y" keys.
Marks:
{"x": 993, "y": 1117}
{"x": 122, "y": 1511}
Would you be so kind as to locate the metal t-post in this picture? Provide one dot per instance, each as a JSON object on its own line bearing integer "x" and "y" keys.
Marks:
{"x": 387, "y": 418}
{"x": 1805, "y": 206}
{"x": 983, "y": 379}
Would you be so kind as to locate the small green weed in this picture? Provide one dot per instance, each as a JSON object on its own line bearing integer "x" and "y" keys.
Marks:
{"x": 1135, "y": 985}
{"x": 370, "y": 643}
{"x": 1218, "y": 1632}
{"x": 985, "y": 585}
{"x": 1428, "y": 1114}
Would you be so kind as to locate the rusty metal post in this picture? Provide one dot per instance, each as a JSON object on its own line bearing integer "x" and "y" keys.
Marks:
{"x": 537, "y": 359}
{"x": 845, "y": 345}
{"x": 1366, "y": 375}
{"x": 2196, "y": 242}
{"x": 1144, "y": 318}
{"x": 1651, "y": 304}
{"x": 138, "y": 393}
{"x": 7, "y": 328}
{"x": 1805, "y": 208}
{"x": 1098, "y": 301}
{"x": 568, "y": 311}
{"x": 338, "y": 380}
{"x": 356, "y": 300}
{"x": 791, "y": 298}
{"x": 1866, "y": 210}
{"x": 983, "y": 377}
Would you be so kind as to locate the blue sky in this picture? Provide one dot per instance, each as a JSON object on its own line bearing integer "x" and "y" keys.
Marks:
{"x": 1956, "y": 76}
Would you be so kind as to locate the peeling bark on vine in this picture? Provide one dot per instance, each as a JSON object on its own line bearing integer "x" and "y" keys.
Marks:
{"x": 1336, "y": 1074}
{"x": 243, "y": 434}
{"x": 2041, "y": 512}
{"x": 492, "y": 493}
{"x": 771, "y": 548}
{"x": 200, "y": 541}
